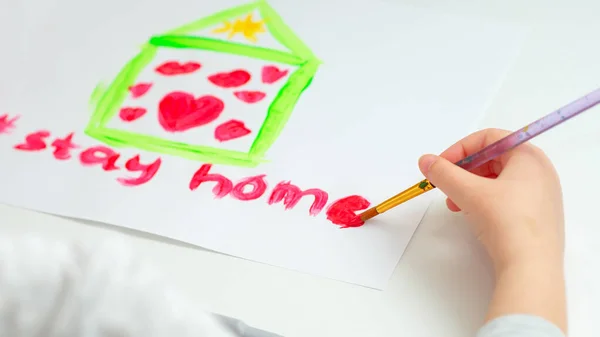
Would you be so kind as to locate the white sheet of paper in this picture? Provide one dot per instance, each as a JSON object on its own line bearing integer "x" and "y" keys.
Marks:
{"x": 395, "y": 82}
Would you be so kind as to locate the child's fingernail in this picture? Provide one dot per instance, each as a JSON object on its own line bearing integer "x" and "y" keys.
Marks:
{"x": 425, "y": 163}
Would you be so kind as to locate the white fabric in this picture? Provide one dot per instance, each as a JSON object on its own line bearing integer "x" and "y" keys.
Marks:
{"x": 55, "y": 289}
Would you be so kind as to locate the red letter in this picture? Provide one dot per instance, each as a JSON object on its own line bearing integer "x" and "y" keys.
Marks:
{"x": 62, "y": 147}
{"x": 223, "y": 187}
{"x": 259, "y": 186}
{"x": 148, "y": 171}
{"x": 291, "y": 195}
{"x": 7, "y": 124}
{"x": 100, "y": 155}
{"x": 34, "y": 141}
{"x": 343, "y": 211}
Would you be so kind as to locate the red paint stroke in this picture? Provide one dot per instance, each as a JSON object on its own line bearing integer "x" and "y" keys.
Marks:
{"x": 232, "y": 79}
{"x": 100, "y": 155}
{"x": 291, "y": 195}
{"x": 231, "y": 130}
{"x": 7, "y": 124}
{"x": 343, "y": 211}
{"x": 173, "y": 68}
{"x": 223, "y": 187}
{"x": 34, "y": 141}
{"x": 250, "y": 96}
{"x": 272, "y": 74}
{"x": 258, "y": 185}
{"x": 63, "y": 147}
{"x": 180, "y": 111}
{"x": 147, "y": 171}
{"x": 139, "y": 89}
{"x": 131, "y": 114}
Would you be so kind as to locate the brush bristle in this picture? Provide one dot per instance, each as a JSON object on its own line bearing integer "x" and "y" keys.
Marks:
{"x": 368, "y": 214}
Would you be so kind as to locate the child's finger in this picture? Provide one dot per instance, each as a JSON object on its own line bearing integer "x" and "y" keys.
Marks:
{"x": 452, "y": 206}
{"x": 473, "y": 143}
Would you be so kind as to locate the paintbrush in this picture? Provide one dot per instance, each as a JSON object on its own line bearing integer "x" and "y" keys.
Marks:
{"x": 493, "y": 150}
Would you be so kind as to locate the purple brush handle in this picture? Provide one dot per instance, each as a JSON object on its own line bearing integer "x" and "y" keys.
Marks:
{"x": 538, "y": 127}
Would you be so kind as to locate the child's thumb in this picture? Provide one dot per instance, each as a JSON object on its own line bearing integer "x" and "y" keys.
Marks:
{"x": 456, "y": 183}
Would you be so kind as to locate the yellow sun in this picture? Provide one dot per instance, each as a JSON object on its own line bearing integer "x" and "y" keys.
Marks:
{"x": 246, "y": 27}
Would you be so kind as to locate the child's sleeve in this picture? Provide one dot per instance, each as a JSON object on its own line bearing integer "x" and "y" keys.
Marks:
{"x": 520, "y": 326}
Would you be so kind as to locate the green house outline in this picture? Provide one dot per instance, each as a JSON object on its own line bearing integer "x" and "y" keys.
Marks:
{"x": 106, "y": 102}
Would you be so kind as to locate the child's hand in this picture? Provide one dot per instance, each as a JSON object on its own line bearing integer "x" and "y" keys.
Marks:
{"x": 514, "y": 203}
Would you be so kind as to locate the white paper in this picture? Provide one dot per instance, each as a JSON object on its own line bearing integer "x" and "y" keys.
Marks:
{"x": 395, "y": 82}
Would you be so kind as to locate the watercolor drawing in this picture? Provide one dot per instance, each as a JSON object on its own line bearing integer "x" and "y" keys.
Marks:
{"x": 7, "y": 123}
{"x": 218, "y": 90}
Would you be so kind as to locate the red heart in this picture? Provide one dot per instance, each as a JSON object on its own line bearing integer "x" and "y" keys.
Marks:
{"x": 231, "y": 130}
{"x": 232, "y": 79}
{"x": 250, "y": 96}
{"x": 172, "y": 68}
{"x": 272, "y": 74}
{"x": 139, "y": 89}
{"x": 180, "y": 111}
{"x": 131, "y": 114}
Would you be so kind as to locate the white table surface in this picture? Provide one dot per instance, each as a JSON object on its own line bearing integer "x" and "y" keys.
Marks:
{"x": 442, "y": 285}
